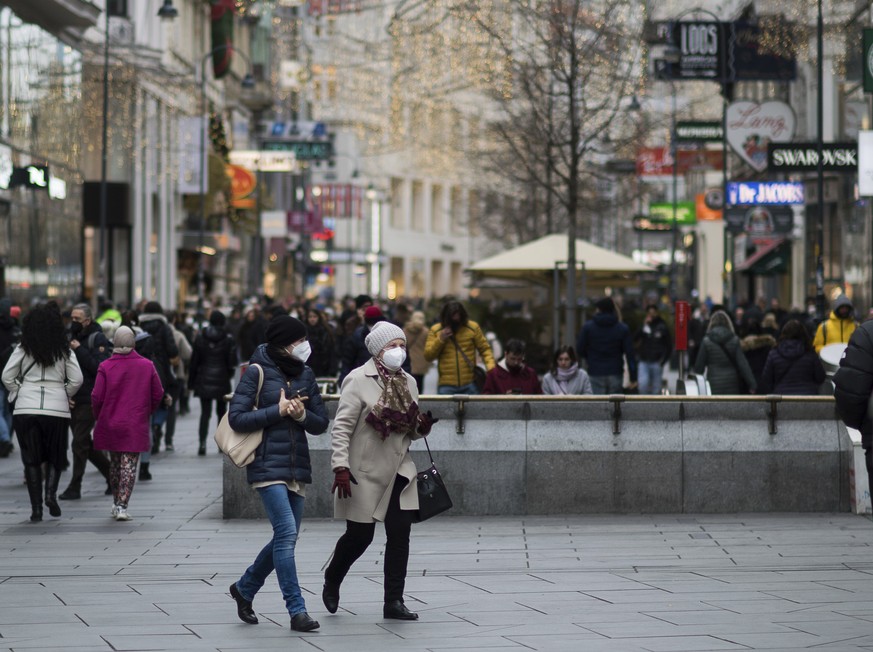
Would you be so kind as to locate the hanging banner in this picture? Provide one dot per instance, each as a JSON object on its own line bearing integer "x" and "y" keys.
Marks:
{"x": 867, "y": 60}
{"x": 865, "y": 163}
{"x": 751, "y": 127}
{"x": 753, "y": 193}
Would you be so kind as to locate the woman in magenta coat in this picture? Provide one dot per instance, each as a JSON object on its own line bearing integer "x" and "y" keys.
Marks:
{"x": 126, "y": 392}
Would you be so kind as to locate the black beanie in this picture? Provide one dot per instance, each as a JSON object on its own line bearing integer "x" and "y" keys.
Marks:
{"x": 606, "y": 305}
{"x": 217, "y": 318}
{"x": 362, "y": 299}
{"x": 153, "y": 307}
{"x": 285, "y": 329}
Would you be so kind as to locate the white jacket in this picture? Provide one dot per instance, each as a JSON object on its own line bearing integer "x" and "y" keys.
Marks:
{"x": 43, "y": 390}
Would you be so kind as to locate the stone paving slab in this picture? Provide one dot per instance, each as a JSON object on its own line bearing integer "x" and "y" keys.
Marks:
{"x": 599, "y": 583}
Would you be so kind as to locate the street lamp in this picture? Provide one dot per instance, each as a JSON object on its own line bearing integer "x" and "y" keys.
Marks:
{"x": 248, "y": 82}
{"x": 166, "y": 13}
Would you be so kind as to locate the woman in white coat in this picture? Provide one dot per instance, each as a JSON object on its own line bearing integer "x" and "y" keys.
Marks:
{"x": 42, "y": 375}
{"x": 376, "y": 420}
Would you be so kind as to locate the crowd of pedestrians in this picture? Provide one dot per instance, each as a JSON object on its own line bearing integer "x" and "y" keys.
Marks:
{"x": 117, "y": 382}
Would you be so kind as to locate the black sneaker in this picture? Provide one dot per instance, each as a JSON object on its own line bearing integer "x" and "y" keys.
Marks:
{"x": 71, "y": 494}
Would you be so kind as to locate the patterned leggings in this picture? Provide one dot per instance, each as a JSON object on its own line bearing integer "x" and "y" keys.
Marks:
{"x": 122, "y": 475}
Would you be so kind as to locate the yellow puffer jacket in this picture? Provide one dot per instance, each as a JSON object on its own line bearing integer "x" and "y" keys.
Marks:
{"x": 453, "y": 369}
{"x": 832, "y": 331}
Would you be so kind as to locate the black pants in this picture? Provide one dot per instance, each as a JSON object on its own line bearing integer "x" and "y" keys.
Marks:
{"x": 359, "y": 536}
{"x": 206, "y": 414}
{"x": 82, "y": 422}
{"x": 176, "y": 392}
{"x": 42, "y": 439}
{"x": 868, "y": 459}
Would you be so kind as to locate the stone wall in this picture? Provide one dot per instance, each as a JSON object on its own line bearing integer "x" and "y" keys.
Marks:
{"x": 515, "y": 455}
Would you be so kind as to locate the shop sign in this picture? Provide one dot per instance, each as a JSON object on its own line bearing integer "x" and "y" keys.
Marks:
{"x": 701, "y": 50}
{"x": 57, "y": 188}
{"x": 759, "y": 221}
{"x": 264, "y": 161}
{"x": 803, "y": 157}
{"x": 30, "y": 176}
{"x": 751, "y": 127}
{"x": 750, "y": 193}
{"x": 657, "y": 161}
{"x": 699, "y": 132}
{"x": 663, "y": 212}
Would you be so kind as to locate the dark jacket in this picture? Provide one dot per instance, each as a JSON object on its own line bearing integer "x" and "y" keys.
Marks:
{"x": 603, "y": 341}
{"x": 10, "y": 335}
{"x": 284, "y": 451}
{"x": 722, "y": 358}
{"x": 792, "y": 370}
{"x": 757, "y": 348}
{"x": 323, "y": 358}
{"x": 93, "y": 349}
{"x": 653, "y": 341}
{"x": 162, "y": 346}
{"x": 854, "y": 383}
{"x": 213, "y": 363}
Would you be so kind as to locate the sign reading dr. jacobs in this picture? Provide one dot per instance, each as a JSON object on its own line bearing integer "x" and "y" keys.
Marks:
{"x": 754, "y": 193}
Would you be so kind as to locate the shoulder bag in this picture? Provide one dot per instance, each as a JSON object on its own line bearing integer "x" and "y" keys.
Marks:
{"x": 433, "y": 497}
{"x": 478, "y": 372}
{"x": 240, "y": 447}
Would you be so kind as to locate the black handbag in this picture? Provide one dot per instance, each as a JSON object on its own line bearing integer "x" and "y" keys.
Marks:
{"x": 433, "y": 497}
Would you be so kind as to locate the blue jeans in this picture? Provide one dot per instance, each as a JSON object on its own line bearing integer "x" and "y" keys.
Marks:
{"x": 651, "y": 375}
{"x": 285, "y": 511}
{"x": 5, "y": 415}
{"x": 607, "y": 384}
{"x": 458, "y": 389}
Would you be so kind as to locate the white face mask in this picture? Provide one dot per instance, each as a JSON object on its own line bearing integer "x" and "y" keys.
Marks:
{"x": 394, "y": 358}
{"x": 301, "y": 352}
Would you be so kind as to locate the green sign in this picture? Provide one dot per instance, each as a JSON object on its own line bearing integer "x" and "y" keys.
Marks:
{"x": 699, "y": 132}
{"x": 303, "y": 150}
{"x": 685, "y": 213}
{"x": 867, "y": 60}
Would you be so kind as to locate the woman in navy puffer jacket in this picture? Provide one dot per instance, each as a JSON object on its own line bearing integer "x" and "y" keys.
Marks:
{"x": 289, "y": 406}
{"x": 792, "y": 368}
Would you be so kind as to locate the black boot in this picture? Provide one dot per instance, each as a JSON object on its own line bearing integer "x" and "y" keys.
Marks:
{"x": 144, "y": 471}
{"x": 156, "y": 439}
{"x": 33, "y": 478}
{"x": 52, "y": 478}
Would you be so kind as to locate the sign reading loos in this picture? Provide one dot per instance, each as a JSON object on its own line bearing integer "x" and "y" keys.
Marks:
{"x": 803, "y": 157}
{"x": 753, "y": 193}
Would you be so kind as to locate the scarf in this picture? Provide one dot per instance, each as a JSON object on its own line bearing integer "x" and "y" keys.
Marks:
{"x": 564, "y": 376}
{"x": 287, "y": 365}
{"x": 395, "y": 411}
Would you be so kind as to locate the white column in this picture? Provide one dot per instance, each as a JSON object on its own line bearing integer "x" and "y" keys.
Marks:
{"x": 138, "y": 243}
{"x": 165, "y": 248}
{"x": 146, "y": 197}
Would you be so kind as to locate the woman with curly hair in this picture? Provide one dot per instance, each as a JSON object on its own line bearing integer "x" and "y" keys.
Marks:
{"x": 42, "y": 376}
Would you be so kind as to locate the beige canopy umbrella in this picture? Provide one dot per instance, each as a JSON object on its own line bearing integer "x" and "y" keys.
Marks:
{"x": 536, "y": 262}
{"x": 544, "y": 262}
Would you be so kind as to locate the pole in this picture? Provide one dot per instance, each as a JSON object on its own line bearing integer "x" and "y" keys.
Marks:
{"x": 673, "y": 155}
{"x": 104, "y": 156}
{"x": 819, "y": 236}
{"x": 571, "y": 281}
{"x": 201, "y": 261}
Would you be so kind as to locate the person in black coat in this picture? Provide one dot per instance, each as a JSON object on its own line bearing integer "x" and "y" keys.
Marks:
{"x": 213, "y": 364}
{"x": 163, "y": 349}
{"x": 289, "y": 405}
{"x": 323, "y": 358}
{"x": 853, "y": 386}
{"x": 792, "y": 368}
{"x": 91, "y": 348}
{"x": 10, "y": 334}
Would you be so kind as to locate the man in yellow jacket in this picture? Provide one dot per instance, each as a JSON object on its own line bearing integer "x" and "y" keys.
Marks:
{"x": 454, "y": 342}
{"x": 838, "y": 327}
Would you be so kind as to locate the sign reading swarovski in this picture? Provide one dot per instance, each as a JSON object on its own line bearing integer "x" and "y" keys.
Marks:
{"x": 803, "y": 157}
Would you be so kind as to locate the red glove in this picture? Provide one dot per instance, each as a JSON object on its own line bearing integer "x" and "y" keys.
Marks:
{"x": 425, "y": 422}
{"x": 342, "y": 483}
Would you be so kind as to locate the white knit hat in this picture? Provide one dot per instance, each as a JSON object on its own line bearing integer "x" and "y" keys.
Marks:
{"x": 381, "y": 333}
{"x": 123, "y": 342}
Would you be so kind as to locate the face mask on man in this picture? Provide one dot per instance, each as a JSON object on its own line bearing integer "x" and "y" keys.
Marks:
{"x": 301, "y": 352}
{"x": 394, "y": 358}
{"x": 76, "y": 328}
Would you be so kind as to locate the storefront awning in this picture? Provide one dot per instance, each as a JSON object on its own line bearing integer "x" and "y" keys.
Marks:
{"x": 770, "y": 259}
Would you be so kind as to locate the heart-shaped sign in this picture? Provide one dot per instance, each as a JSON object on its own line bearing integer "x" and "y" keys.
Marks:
{"x": 750, "y": 126}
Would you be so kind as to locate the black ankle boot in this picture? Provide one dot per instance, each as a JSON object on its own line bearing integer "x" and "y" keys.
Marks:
{"x": 330, "y": 596}
{"x": 397, "y": 610}
{"x": 52, "y": 478}
{"x": 33, "y": 478}
{"x": 144, "y": 471}
{"x": 156, "y": 439}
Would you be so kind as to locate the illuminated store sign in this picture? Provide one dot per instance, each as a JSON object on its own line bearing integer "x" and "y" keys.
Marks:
{"x": 754, "y": 193}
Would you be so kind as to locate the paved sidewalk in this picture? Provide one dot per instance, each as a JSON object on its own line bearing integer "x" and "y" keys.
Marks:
{"x": 84, "y": 582}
